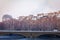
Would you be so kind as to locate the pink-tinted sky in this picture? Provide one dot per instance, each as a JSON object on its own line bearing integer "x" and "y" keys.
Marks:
{"x": 25, "y": 7}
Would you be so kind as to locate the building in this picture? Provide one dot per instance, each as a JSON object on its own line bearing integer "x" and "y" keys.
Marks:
{"x": 40, "y": 15}
{"x": 6, "y": 17}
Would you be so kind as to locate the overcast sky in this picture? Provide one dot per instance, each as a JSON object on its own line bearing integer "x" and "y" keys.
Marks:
{"x": 25, "y": 7}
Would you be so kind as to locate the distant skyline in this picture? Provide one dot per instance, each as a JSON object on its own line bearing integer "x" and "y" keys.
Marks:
{"x": 26, "y": 7}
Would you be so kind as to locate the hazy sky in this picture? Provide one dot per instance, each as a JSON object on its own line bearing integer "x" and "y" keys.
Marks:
{"x": 25, "y": 7}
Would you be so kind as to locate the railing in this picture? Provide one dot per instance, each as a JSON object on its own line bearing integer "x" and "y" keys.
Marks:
{"x": 25, "y": 31}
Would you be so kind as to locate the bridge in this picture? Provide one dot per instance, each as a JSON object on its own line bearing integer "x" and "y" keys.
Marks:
{"x": 32, "y": 34}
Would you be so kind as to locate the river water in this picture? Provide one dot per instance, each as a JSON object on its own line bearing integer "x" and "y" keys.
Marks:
{"x": 32, "y": 39}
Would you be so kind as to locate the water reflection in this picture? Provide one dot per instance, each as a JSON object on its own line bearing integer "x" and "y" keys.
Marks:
{"x": 31, "y": 39}
{"x": 22, "y": 37}
{"x": 48, "y": 36}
